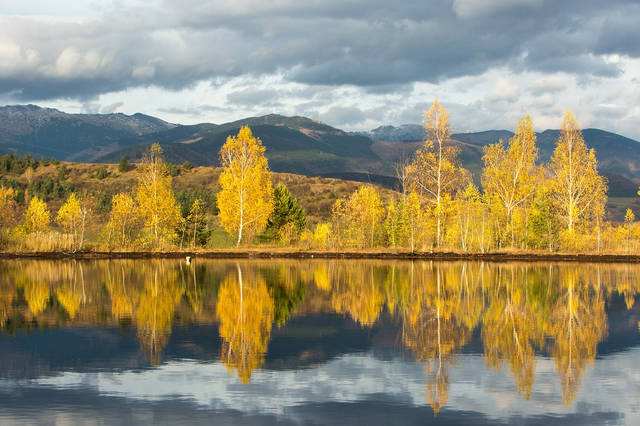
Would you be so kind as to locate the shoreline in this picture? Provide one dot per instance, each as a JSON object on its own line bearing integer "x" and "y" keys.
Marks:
{"x": 373, "y": 255}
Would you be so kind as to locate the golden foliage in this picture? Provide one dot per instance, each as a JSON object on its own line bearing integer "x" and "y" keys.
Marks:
{"x": 435, "y": 172}
{"x": 119, "y": 228}
{"x": 358, "y": 219}
{"x": 245, "y": 310}
{"x": 37, "y": 217}
{"x": 156, "y": 201}
{"x": 578, "y": 190}
{"x": 510, "y": 177}
{"x": 245, "y": 199}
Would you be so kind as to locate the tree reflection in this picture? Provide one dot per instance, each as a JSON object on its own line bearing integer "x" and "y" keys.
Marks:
{"x": 156, "y": 306}
{"x": 439, "y": 320}
{"x": 510, "y": 329}
{"x": 578, "y": 324}
{"x": 519, "y": 310}
{"x": 245, "y": 310}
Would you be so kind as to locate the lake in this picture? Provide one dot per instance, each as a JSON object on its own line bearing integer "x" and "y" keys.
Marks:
{"x": 318, "y": 342}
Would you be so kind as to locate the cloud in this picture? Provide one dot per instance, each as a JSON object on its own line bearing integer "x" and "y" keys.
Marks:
{"x": 366, "y": 44}
{"x": 353, "y": 64}
{"x": 474, "y": 8}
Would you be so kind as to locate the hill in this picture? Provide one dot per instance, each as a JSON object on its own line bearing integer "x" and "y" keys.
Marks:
{"x": 618, "y": 156}
{"x": 294, "y": 144}
{"x": 99, "y": 182}
{"x": 47, "y": 132}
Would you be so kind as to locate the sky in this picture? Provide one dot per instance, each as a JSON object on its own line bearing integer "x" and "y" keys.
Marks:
{"x": 354, "y": 64}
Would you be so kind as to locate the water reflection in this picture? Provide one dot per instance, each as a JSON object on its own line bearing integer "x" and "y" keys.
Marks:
{"x": 519, "y": 312}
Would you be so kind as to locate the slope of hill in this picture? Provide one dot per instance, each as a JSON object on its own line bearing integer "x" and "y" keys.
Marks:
{"x": 99, "y": 182}
{"x": 618, "y": 156}
{"x": 294, "y": 144}
{"x": 47, "y": 132}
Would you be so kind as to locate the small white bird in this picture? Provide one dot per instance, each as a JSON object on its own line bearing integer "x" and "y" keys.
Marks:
{"x": 188, "y": 260}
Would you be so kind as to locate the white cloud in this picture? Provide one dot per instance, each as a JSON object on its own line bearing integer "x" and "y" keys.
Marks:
{"x": 474, "y": 8}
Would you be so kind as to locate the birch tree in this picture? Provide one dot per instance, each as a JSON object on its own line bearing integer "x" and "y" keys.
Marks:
{"x": 245, "y": 199}
{"x": 510, "y": 174}
{"x": 435, "y": 172}
{"x": 156, "y": 200}
{"x": 577, "y": 189}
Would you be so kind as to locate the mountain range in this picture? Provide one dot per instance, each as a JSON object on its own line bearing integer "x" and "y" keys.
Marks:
{"x": 294, "y": 144}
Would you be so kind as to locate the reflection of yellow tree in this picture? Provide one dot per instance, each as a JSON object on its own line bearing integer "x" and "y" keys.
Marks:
{"x": 36, "y": 293}
{"x": 360, "y": 295}
{"x": 7, "y": 296}
{"x": 437, "y": 323}
{"x": 70, "y": 297}
{"x": 123, "y": 295}
{"x": 578, "y": 324}
{"x": 156, "y": 306}
{"x": 245, "y": 310}
{"x": 510, "y": 328}
{"x": 321, "y": 277}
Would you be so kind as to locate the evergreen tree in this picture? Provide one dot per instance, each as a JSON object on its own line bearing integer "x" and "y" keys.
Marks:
{"x": 287, "y": 212}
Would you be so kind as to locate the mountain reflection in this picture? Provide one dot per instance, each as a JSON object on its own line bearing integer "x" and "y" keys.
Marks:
{"x": 519, "y": 310}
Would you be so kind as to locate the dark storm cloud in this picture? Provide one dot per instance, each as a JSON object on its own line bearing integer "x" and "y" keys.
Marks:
{"x": 370, "y": 44}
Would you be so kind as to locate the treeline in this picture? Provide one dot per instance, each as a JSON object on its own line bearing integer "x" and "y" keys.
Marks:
{"x": 521, "y": 205}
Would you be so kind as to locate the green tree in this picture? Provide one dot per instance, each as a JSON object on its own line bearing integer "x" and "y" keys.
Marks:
{"x": 123, "y": 165}
{"x": 197, "y": 222}
{"x": 287, "y": 215}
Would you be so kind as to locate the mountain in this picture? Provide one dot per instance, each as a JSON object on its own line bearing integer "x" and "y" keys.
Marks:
{"x": 294, "y": 144}
{"x": 618, "y": 156}
{"x": 402, "y": 133}
{"x": 47, "y": 132}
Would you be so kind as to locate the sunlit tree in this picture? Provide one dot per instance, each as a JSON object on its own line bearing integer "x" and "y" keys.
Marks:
{"x": 245, "y": 199}
{"x": 578, "y": 191}
{"x": 37, "y": 216}
{"x": 122, "y": 218}
{"x": 435, "y": 172}
{"x": 156, "y": 200}
{"x": 72, "y": 217}
{"x": 510, "y": 175}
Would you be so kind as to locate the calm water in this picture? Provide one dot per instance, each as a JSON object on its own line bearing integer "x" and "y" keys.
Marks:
{"x": 318, "y": 342}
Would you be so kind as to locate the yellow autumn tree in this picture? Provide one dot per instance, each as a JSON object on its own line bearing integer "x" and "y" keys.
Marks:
{"x": 156, "y": 200}
{"x": 435, "y": 172}
{"x": 37, "y": 216}
{"x": 405, "y": 221}
{"x": 72, "y": 217}
{"x": 365, "y": 212}
{"x": 7, "y": 211}
{"x": 469, "y": 228}
{"x": 121, "y": 219}
{"x": 577, "y": 189}
{"x": 245, "y": 200}
{"x": 510, "y": 176}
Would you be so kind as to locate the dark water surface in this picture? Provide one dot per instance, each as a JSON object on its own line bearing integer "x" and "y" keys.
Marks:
{"x": 318, "y": 342}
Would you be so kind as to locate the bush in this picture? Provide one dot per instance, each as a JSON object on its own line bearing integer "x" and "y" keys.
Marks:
{"x": 101, "y": 173}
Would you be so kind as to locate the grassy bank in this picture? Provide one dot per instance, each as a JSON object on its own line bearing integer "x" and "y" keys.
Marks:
{"x": 304, "y": 254}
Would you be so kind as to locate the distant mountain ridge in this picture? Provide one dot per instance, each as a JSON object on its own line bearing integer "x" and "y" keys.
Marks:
{"x": 49, "y": 132}
{"x": 294, "y": 144}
